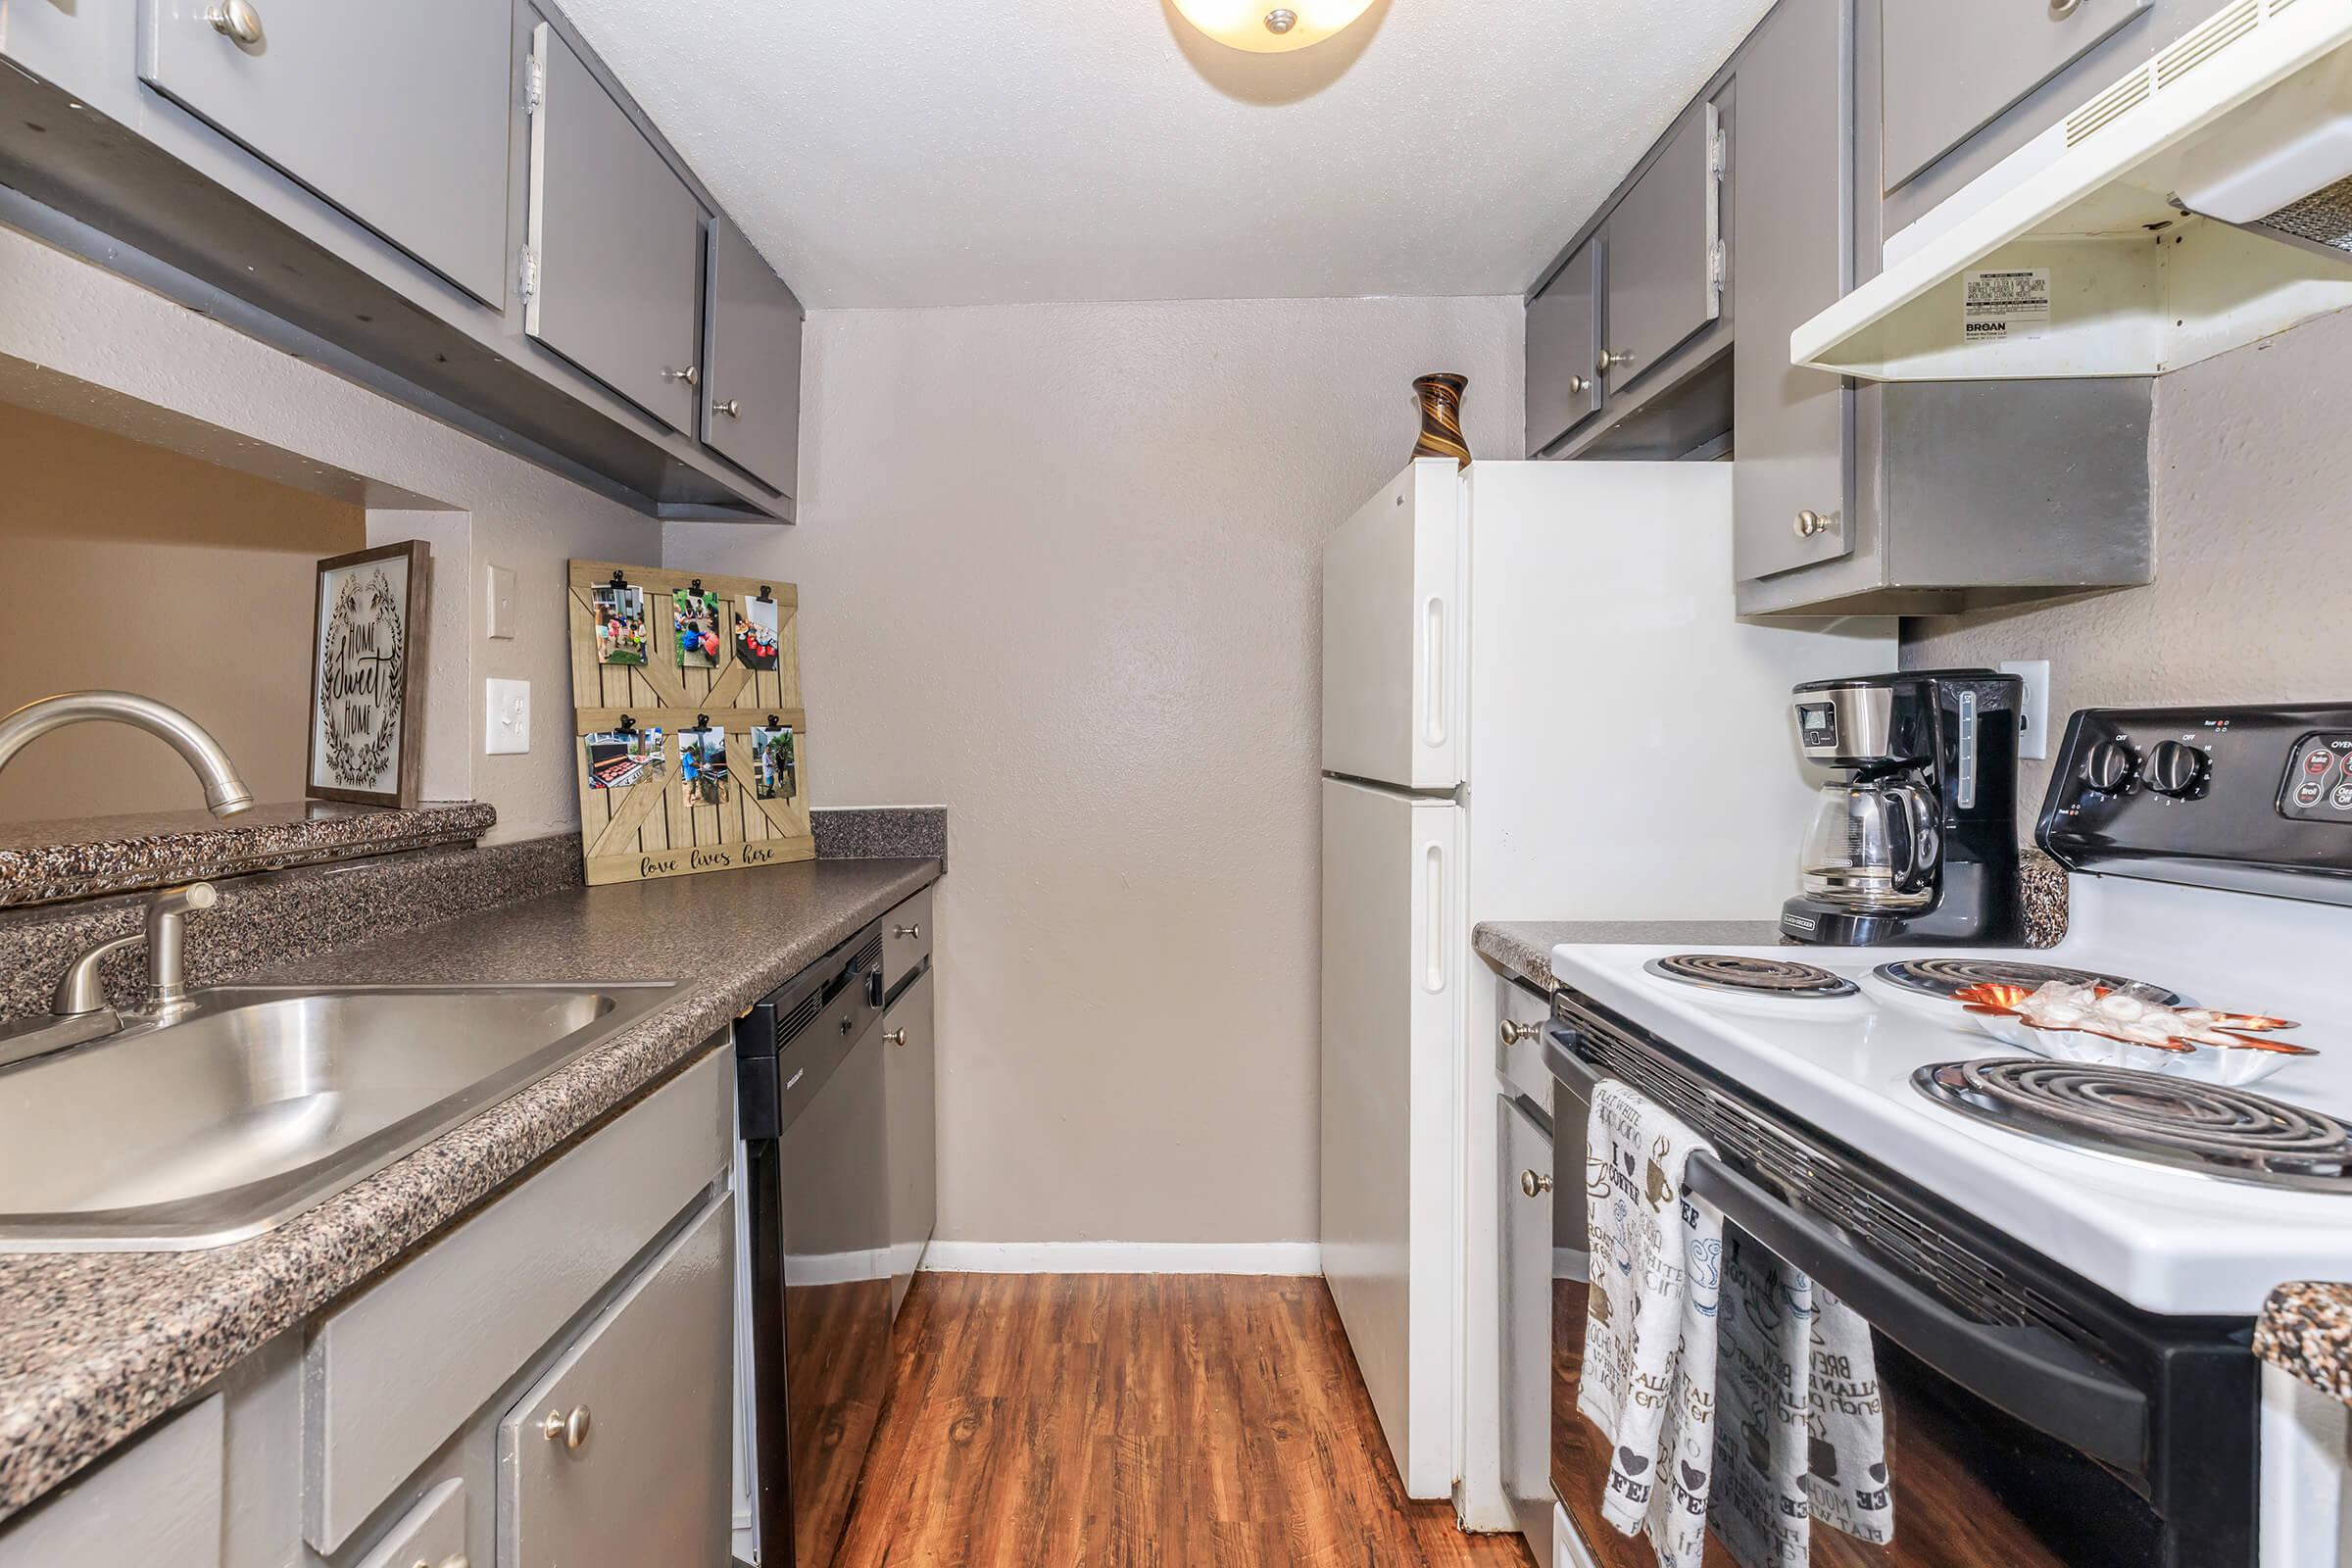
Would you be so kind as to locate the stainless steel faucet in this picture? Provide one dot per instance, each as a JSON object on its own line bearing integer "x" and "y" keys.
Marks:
{"x": 77, "y": 1009}
{"x": 224, "y": 793}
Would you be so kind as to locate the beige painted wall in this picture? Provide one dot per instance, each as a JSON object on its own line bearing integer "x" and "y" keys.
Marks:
{"x": 139, "y": 569}
{"x": 75, "y": 321}
{"x": 2253, "y": 588}
{"x": 1058, "y": 569}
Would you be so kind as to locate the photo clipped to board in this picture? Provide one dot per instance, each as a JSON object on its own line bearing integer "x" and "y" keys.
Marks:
{"x": 620, "y": 624}
{"x": 620, "y": 757}
{"x": 773, "y": 772}
{"x": 703, "y": 765}
{"x": 694, "y": 615}
{"x": 367, "y": 667}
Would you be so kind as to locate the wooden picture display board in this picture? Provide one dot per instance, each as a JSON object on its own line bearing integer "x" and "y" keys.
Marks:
{"x": 660, "y": 825}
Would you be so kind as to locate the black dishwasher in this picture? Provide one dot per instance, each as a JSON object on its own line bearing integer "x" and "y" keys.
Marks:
{"x": 808, "y": 1089}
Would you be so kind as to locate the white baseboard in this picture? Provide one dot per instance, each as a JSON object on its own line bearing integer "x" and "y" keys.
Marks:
{"x": 1293, "y": 1259}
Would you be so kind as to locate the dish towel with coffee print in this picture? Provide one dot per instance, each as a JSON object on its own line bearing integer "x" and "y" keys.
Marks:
{"x": 1802, "y": 1434}
{"x": 1649, "y": 1380}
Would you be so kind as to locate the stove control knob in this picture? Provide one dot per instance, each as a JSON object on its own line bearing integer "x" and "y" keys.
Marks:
{"x": 2177, "y": 769}
{"x": 2111, "y": 767}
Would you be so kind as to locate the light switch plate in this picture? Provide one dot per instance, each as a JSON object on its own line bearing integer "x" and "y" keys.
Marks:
{"x": 2033, "y": 736}
{"x": 501, "y": 602}
{"x": 505, "y": 716}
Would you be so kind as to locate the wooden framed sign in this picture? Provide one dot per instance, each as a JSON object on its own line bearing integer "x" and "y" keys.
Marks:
{"x": 367, "y": 675}
{"x": 692, "y": 740}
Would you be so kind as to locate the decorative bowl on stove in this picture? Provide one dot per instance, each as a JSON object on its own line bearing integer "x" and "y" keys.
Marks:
{"x": 2229, "y": 1049}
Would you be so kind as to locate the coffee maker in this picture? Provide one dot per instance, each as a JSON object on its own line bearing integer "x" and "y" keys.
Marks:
{"x": 1915, "y": 840}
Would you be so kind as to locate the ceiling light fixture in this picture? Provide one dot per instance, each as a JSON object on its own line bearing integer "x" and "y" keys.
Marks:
{"x": 1253, "y": 25}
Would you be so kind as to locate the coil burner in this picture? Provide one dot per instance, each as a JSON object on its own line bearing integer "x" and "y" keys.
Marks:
{"x": 1941, "y": 977}
{"x": 2221, "y": 1132}
{"x": 1775, "y": 977}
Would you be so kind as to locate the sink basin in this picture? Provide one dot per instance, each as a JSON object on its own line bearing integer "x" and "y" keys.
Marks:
{"x": 262, "y": 1102}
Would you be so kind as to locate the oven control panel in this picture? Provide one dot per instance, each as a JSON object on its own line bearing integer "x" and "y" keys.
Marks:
{"x": 2255, "y": 799}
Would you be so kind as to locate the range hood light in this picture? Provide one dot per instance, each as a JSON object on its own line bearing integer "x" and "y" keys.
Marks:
{"x": 1265, "y": 29}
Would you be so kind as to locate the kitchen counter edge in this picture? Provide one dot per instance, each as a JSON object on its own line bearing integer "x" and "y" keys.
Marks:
{"x": 94, "y": 1347}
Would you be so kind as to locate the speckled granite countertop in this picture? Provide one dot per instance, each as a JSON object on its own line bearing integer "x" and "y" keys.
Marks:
{"x": 94, "y": 1346}
{"x": 41, "y": 863}
{"x": 2307, "y": 1328}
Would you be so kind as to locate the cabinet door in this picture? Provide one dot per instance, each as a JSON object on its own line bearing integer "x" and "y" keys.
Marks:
{"x": 618, "y": 1457}
{"x": 1793, "y": 234}
{"x": 911, "y": 1088}
{"x": 1562, "y": 342}
{"x": 1953, "y": 69}
{"x": 751, "y": 365}
{"x": 615, "y": 241}
{"x": 396, "y": 114}
{"x": 1662, "y": 282}
{"x": 1526, "y": 1294}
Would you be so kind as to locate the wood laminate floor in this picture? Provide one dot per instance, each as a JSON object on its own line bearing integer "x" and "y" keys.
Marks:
{"x": 1145, "y": 1421}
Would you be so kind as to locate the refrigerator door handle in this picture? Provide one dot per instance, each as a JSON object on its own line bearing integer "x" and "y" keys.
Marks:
{"x": 1433, "y": 672}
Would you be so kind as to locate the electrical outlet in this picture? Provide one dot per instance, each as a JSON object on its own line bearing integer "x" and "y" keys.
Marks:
{"x": 502, "y": 602}
{"x": 2033, "y": 735}
{"x": 505, "y": 716}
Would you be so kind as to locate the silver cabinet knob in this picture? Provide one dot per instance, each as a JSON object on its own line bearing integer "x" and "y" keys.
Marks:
{"x": 1533, "y": 1184}
{"x": 910, "y": 932}
{"x": 1579, "y": 385}
{"x": 732, "y": 408}
{"x": 2060, "y": 10}
{"x": 692, "y": 375}
{"x": 1809, "y": 523}
{"x": 572, "y": 1430}
{"x": 1513, "y": 1033}
{"x": 1610, "y": 362}
{"x": 893, "y": 1036}
{"x": 236, "y": 20}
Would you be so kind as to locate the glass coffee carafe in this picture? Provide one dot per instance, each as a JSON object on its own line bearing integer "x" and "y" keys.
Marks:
{"x": 1873, "y": 844}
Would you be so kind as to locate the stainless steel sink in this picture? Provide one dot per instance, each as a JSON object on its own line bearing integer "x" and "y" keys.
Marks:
{"x": 262, "y": 1102}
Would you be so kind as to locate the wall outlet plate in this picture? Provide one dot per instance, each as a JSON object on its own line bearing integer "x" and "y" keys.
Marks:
{"x": 506, "y": 717}
{"x": 2033, "y": 736}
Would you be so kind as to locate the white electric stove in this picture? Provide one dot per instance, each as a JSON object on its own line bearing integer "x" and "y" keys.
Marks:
{"x": 2065, "y": 1256}
{"x": 2167, "y": 1238}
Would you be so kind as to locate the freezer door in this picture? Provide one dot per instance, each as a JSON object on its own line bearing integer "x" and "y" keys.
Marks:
{"x": 1392, "y": 634}
{"x": 1393, "y": 947}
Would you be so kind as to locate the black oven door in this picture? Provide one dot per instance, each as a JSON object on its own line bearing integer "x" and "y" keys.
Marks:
{"x": 2006, "y": 1446}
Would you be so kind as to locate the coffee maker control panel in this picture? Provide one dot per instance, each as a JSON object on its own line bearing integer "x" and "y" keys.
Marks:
{"x": 2252, "y": 798}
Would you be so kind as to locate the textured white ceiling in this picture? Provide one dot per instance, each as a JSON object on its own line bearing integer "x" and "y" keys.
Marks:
{"x": 958, "y": 152}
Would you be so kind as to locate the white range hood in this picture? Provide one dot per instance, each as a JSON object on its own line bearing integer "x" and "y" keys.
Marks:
{"x": 2202, "y": 202}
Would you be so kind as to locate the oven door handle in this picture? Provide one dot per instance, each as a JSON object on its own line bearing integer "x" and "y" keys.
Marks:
{"x": 2031, "y": 1373}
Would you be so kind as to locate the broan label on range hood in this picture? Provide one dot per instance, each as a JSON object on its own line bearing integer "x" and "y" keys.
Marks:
{"x": 2198, "y": 204}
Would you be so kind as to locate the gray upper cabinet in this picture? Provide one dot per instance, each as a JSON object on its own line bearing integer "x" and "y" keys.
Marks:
{"x": 1794, "y": 234}
{"x": 1952, "y": 69}
{"x": 1663, "y": 282}
{"x": 751, "y": 364}
{"x": 1562, "y": 343}
{"x": 336, "y": 97}
{"x": 615, "y": 269}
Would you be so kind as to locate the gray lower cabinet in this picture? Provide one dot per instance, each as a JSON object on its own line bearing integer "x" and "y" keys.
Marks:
{"x": 751, "y": 364}
{"x": 1525, "y": 1168}
{"x": 618, "y": 1456}
{"x": 1794, "y": 234}
{"x": 1953, "y": 69}
{"x": 911, "y": 1089}
{"x": 614, "y": 275}
{"x": 1563, "y": 341}
{"x": 398, "y": 115}
{"x": 157, "y": 1501}
{"x": 1663, "y": 280}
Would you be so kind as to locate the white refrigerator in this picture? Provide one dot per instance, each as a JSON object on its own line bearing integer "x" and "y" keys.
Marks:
{"x": 1538, "y": 704}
